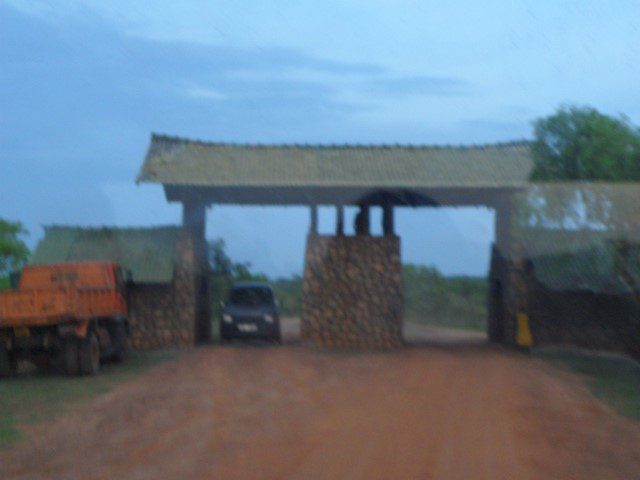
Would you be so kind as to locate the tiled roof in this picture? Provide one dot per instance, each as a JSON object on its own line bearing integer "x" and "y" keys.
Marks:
{"x": 178, "y": 161}
{"x": 148, "y": 253}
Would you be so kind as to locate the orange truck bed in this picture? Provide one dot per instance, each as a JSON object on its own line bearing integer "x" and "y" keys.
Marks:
{"x": 71, "y": 314}
{"x": 50, "y": 294}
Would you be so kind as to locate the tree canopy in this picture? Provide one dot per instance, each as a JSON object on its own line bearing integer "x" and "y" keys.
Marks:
{"x": 591, "y": 152}
{"x": 13, "y": 251}
{"x": 585, "y": 163}
{"x": 580, "y": 143}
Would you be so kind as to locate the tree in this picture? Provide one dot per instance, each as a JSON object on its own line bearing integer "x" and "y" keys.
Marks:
{"x": 13, "y": 251}
{"x": 594, "y": 153}
{"x": 580, "y": 143}
{"x": 584, "y": 148}
{"x": 221, "y": 264}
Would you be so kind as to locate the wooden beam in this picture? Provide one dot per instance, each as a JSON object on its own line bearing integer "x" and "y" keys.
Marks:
{"x": 387, "y": 220}
{"x": 340, "y": 220}
{"x": 313, "y": 228}
{"x": 336, "y": 195}
{"x": 363, "y": 222}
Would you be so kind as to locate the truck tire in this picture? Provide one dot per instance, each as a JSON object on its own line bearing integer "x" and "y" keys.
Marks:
{"x": 8, "y": 363}
{"x": 70, "y": 363}
{"x": 119, "y": 342}
{"x": 89, "y": 354}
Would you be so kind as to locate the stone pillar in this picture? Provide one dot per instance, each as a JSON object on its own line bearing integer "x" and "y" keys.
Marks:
{"x": 184, "y": 289}
{"x": 516, "y": 298}
{"x": 507, "y": 276}
{"x": 496, "y": 296}
{"x": 352, "y": 292}
{"x": 193, "y": 220}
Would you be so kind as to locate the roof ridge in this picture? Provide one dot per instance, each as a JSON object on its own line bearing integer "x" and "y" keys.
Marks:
{"x": 353, "y": 146}
{"x": 109, "y": 227}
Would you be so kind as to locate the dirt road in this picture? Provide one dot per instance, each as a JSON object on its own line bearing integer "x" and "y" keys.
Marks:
{"x": 436, "y": 410}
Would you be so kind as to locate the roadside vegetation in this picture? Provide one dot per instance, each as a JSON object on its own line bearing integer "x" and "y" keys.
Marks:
{"x": 434, "y": 299}
{"x": 33, "y": 397}
{"x": 614, "y": 379}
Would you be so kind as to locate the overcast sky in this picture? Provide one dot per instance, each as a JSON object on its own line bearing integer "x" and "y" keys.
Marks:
{"x": 84, "y": 83}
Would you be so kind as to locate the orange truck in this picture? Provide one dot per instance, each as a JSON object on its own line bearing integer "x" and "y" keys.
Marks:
{"x": 72, "y": 315}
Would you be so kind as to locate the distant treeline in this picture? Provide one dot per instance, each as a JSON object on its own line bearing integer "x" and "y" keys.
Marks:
{"x": 432, "y": 298}
{"x": 429, "y": 296}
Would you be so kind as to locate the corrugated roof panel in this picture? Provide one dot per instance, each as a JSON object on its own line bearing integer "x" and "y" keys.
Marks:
{"x": 148, "y": 253}
{"x": 179, "y": 161}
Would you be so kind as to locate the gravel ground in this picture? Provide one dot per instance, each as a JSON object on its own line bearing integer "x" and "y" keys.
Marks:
{"x": 448, "y": 406}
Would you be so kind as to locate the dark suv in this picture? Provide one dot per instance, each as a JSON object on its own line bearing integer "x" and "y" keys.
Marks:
{"x": 250, "y": 311}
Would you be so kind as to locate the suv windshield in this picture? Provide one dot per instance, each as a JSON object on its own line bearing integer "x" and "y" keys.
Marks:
{"x": 251, "y": 296}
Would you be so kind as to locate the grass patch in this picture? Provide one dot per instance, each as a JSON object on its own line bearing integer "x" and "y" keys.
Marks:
{"x": 462, "y": 322}
{"x": 35, "y": 397}
{"x": 616, "y": 380}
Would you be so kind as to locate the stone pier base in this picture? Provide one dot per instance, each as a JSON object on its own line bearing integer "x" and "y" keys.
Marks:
{"x": 508, "y": 295}
{"x": 163, "y": 315}
{"x": 352, "y": 292}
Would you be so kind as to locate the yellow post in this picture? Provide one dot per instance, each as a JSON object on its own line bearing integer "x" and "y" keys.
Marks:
{"x": 523, "y": 336}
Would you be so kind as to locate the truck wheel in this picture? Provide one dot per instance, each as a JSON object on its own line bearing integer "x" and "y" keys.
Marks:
{"x": 89, "y": 354}
{"x": 70, "y": 356}
{"x": 8, "y": 363}
{"x": 119, "y": 342}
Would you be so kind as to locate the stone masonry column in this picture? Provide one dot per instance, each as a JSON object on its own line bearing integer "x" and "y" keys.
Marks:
{"x": 184, "y": 291}
{"x": 193, "y": 221}
{"x": 507, "y": 276}
{"x": 352, "y": 292}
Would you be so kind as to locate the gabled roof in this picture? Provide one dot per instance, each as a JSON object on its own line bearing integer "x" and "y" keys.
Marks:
{"x": 177, "y": 161}
{"x": 148, "y": 253}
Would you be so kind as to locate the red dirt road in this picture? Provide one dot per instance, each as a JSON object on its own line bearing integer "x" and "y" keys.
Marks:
{"x": 431, "y": 411}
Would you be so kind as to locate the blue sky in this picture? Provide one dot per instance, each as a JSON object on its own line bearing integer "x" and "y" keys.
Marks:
{"x": 84, "y": 83}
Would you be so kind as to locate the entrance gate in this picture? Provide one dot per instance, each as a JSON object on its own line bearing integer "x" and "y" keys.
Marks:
{"x": 352, "y": 292}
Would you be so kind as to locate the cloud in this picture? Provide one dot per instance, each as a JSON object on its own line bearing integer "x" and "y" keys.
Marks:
{"x": 492, "y": 129}
{"x": 422, "y": 85}
{"x": 206, "y": 93}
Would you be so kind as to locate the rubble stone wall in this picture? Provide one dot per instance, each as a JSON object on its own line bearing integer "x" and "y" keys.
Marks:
{"x": 164, "y": 315}
{"x": 352, "y": 292}
{"x": 591, "y": 320}
{"x": 508, "y": 295}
